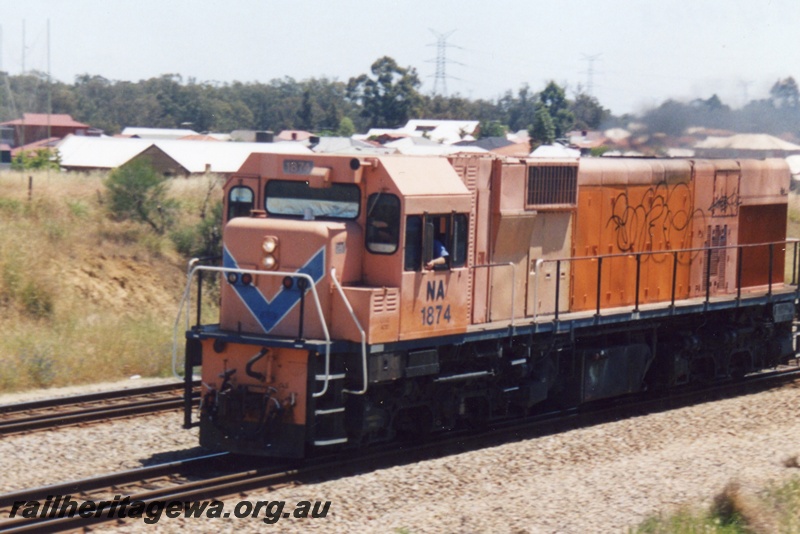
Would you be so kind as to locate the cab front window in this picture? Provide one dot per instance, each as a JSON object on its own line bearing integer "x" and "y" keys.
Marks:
{"x": 289, "y": 198}
{"x": 240, "y": 202}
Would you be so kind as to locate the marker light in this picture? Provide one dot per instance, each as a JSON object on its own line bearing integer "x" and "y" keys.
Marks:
{"x": 287, "y": 282}
{"x": 233, "y": 278}
{"x": 247, "y": 279}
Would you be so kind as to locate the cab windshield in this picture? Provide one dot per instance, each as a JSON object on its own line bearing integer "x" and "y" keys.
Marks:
{"x": 297, "y": 199}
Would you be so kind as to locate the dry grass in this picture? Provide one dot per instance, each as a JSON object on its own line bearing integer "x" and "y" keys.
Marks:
{"x": 734, "y": 510}
{"x": 84, "y": 298}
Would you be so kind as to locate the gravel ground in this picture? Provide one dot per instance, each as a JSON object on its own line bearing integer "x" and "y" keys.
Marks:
{"x": 600, "y": 479}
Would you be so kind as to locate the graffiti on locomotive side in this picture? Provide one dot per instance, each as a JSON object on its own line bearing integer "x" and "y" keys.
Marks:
{"x": 726, "y": 204}
{"x": 657, "y": 218}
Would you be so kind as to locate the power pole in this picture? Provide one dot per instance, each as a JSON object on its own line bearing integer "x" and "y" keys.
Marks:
{"x": 440, "y": 78}
{"x": 745, "y": 84}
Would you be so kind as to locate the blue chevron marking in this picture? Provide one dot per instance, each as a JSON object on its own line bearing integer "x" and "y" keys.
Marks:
{"x": 268, "y": 312}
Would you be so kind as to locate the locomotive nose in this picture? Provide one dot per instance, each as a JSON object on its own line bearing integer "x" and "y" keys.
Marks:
{"x": 269, "y": 283}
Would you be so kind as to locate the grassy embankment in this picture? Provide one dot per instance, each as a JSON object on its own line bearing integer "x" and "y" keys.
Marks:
{"x": 735, "y": 511}
{"x": 84, "y": 298}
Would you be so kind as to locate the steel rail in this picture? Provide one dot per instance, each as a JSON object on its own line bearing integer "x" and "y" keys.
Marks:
{"x": 375, "y": 457}
{"x": 66, "y": 411}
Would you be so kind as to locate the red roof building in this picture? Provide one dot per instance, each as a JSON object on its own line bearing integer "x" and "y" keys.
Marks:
{"x": 37, "y": 126}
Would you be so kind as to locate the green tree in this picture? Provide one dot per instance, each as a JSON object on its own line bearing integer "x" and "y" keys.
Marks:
{"x": 137, "y": 191}
{"x": 491, "y": 129}
{"x": 204, "y": 239}
{"x": 346, "y": 127}
{"x": 543, "y": 130}
{"x": 554, "y": 100}
{"x": 43, "y": 158}
{"x": 588, "y": 112}
{"x": 785, "y": 94}
{"x": 390, "y": 97}
{"x": 521, "y": 110}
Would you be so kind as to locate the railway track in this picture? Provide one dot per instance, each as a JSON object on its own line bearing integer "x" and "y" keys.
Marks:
{"x": 79, "y": 409}
{"x": 220, "y": 475}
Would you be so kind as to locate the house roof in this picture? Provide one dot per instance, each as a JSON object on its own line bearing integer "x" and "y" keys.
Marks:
{"x": 586, "y": 139}
{"x": 419, "y": 146}
{"x": 347, "y": 145}
{"x": 43, "y": 119}
{"x": 194, "y": 156}
{"x": 747, "y": 142}
{"x": 440, "y": 131}
{"x": 157, "y": 133}
{"x": 487, "y": 143}
{"x": 78, "y": 151}
{"x": 555, "y": 151}
{"x": 294, "y": 135}
{"x": 794, "y": 164}
{"x": 200, "y": 137}
{"x": 32, "y": 147}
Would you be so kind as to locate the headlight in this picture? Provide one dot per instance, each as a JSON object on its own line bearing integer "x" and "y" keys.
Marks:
{"x": 269, "y": 262}
{"x": 270, "y": 249}
{"x": 270, "y": 244}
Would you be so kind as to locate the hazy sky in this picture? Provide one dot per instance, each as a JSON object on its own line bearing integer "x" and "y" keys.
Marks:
{"x": 644, "y": 51}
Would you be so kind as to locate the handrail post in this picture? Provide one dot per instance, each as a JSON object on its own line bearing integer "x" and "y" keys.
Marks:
{"x": 794, "y": 265}
{"x": 514, "y": 292}
{"x": 360, "y": 331}
{"x": 739, "y": 263}
{"x": 708, "y": 275}
{"x": 302, "y": 289}
{"x": 188, "y": 370}
{"x": 558, "y": 286}
{"x": 674, "y": 277}
{"x": 599, "y": 279}
{"x": 184, "y": 311}
{"x": 771, "y": 264}
{"x": 199, "y": 297}
{"x": 638, "y": 276}
{"x": 538, "y": 270}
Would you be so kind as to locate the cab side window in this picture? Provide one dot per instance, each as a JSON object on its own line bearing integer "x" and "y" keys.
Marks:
{"x": 458, "y": 242}
{"x": 436, "y": 241}
{"x": 383, "y": 223}
{"x": 240, "y": 202}
{"x": 413, "y": 251}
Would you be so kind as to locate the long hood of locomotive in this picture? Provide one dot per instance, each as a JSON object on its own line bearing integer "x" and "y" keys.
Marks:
{"x": 267, "y": 305}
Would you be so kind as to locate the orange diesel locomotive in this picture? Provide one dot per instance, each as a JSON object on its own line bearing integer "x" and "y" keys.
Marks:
{"x": 367, "y": 297}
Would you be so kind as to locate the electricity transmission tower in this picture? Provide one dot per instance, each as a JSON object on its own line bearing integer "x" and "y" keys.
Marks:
{"x": 440, "y": 78}
{"x": 590, "y": 72}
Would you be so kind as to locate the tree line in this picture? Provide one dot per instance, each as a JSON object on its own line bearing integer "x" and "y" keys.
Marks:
{"x": 386, "y": 97}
